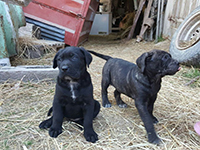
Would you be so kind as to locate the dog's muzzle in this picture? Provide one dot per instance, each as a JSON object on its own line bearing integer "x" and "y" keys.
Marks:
{"x": 68, "y": 73}
{"x": 173, "y": 67}
{"x": 64, "y": 68}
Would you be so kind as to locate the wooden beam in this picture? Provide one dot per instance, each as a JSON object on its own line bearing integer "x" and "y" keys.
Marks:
{"x": 137, "y": 15}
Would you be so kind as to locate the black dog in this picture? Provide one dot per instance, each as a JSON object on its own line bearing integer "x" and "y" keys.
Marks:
{"x": 73, "y": 98}
{"x": 140, "y": 82}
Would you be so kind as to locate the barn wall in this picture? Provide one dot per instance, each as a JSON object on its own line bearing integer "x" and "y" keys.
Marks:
{"x": 176, "y": 11}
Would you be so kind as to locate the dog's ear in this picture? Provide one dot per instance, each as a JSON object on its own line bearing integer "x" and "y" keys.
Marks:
{"x": 141, "y": 61}
{"x": 55, "y": 59}
{"x": 88, "y": 56}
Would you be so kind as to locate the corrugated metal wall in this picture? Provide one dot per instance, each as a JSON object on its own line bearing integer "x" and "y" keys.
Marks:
{"x": 175, "y": 13}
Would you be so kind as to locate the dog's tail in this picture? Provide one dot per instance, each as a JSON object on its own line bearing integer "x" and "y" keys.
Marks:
{"x": 106, "y": 57}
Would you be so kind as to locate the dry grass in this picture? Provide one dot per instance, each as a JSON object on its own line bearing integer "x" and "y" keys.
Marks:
{"x": 24, "y": 105}
{"x": 29, "y": 48}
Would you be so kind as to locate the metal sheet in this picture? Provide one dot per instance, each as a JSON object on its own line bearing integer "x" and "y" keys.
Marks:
{"x": 48, "y": 32}
{"x": 75, "y": 17}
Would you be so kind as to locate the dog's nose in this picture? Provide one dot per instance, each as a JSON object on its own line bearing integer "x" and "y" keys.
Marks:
{"x": 64, "y": 68}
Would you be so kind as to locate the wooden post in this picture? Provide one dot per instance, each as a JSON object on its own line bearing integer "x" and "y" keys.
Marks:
{"x": 152, "y": 16}
{"x": 158, "y": 22}
{"x": 135, "y": 4}
{"x": 161, "y": 18}
{"x": 146, "y": 17}
{"x": 130, "y": 35}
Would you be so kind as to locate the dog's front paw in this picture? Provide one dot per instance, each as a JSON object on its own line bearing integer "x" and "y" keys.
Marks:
{"x": 54, "y": 132}
{"x": 106, "y": 104}
{"x": 91, "y": 136}
{"x": 154, "y": 140}
{"x": 122, "y": 105}
{"x": 45, "y": 124}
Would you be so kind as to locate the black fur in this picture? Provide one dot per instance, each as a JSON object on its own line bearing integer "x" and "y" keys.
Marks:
{"x": 73, "y": 98}
{"x": 140, "y": 82}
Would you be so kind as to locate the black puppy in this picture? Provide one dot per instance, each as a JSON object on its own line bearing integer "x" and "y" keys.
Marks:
{"x": 140, "y": 82}
{"x": 73, "y": 97}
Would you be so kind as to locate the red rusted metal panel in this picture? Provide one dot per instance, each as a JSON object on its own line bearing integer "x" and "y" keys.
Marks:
{"x": 75, "y": 17}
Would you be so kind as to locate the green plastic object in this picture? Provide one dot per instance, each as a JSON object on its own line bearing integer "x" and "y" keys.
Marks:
{"x": 18, "y": 2}
{"x": 3, "y": 49}
{"x": 11, "y": 19}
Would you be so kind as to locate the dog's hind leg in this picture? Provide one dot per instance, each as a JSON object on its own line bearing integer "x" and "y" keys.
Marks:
{"x": 118, "y": 99}
{"x": 80, "y": 122}
{"x": 50, "y": 111}
{"x": 46, "y": 123}
{"x": 96, "y": 108}
{"x": 104, "y": 86}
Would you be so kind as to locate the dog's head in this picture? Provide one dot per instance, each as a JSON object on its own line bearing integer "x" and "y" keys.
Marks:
{"x": 157, "y": 63}
{"x": 72, "y": 62}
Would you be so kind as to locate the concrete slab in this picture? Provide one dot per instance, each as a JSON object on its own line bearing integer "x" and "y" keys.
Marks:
{"x": 5, "y": 62}
{"x": 28, "y": 73}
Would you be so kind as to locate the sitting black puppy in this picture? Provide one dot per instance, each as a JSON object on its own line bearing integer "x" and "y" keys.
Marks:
{"x": 73, "y": 97}
{"x": 140, "y": 82}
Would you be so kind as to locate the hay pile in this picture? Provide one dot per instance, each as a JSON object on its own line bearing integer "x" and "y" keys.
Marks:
{"x": 24, "y": 105}
{"x": 41, "y": 50}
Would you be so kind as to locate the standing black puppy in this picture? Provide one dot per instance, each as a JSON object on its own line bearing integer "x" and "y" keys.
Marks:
{"x": 73, "y": 97}
{"x": 140, "y": 82}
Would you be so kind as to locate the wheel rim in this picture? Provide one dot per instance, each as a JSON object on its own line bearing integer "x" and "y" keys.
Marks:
{"x": 189, "y": 34}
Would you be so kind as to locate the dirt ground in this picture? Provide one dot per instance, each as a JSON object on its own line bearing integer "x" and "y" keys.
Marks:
{"x": 24, "y": 105}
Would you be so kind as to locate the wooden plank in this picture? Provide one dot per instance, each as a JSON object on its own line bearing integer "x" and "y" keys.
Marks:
{"x": 167, "y": 19}
{"x": 158, "y": 21}
{"x": 182, "y": 10}
{"x": 175, "y": 13}
{"x": 141, "y": 4}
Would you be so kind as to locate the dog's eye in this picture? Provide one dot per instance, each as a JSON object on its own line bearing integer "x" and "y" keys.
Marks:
{"x": 58, "y": 59}
{"x": 149, "y": 58}
{"x": 71, "y": 55}
{"x": 166, "y": 57}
